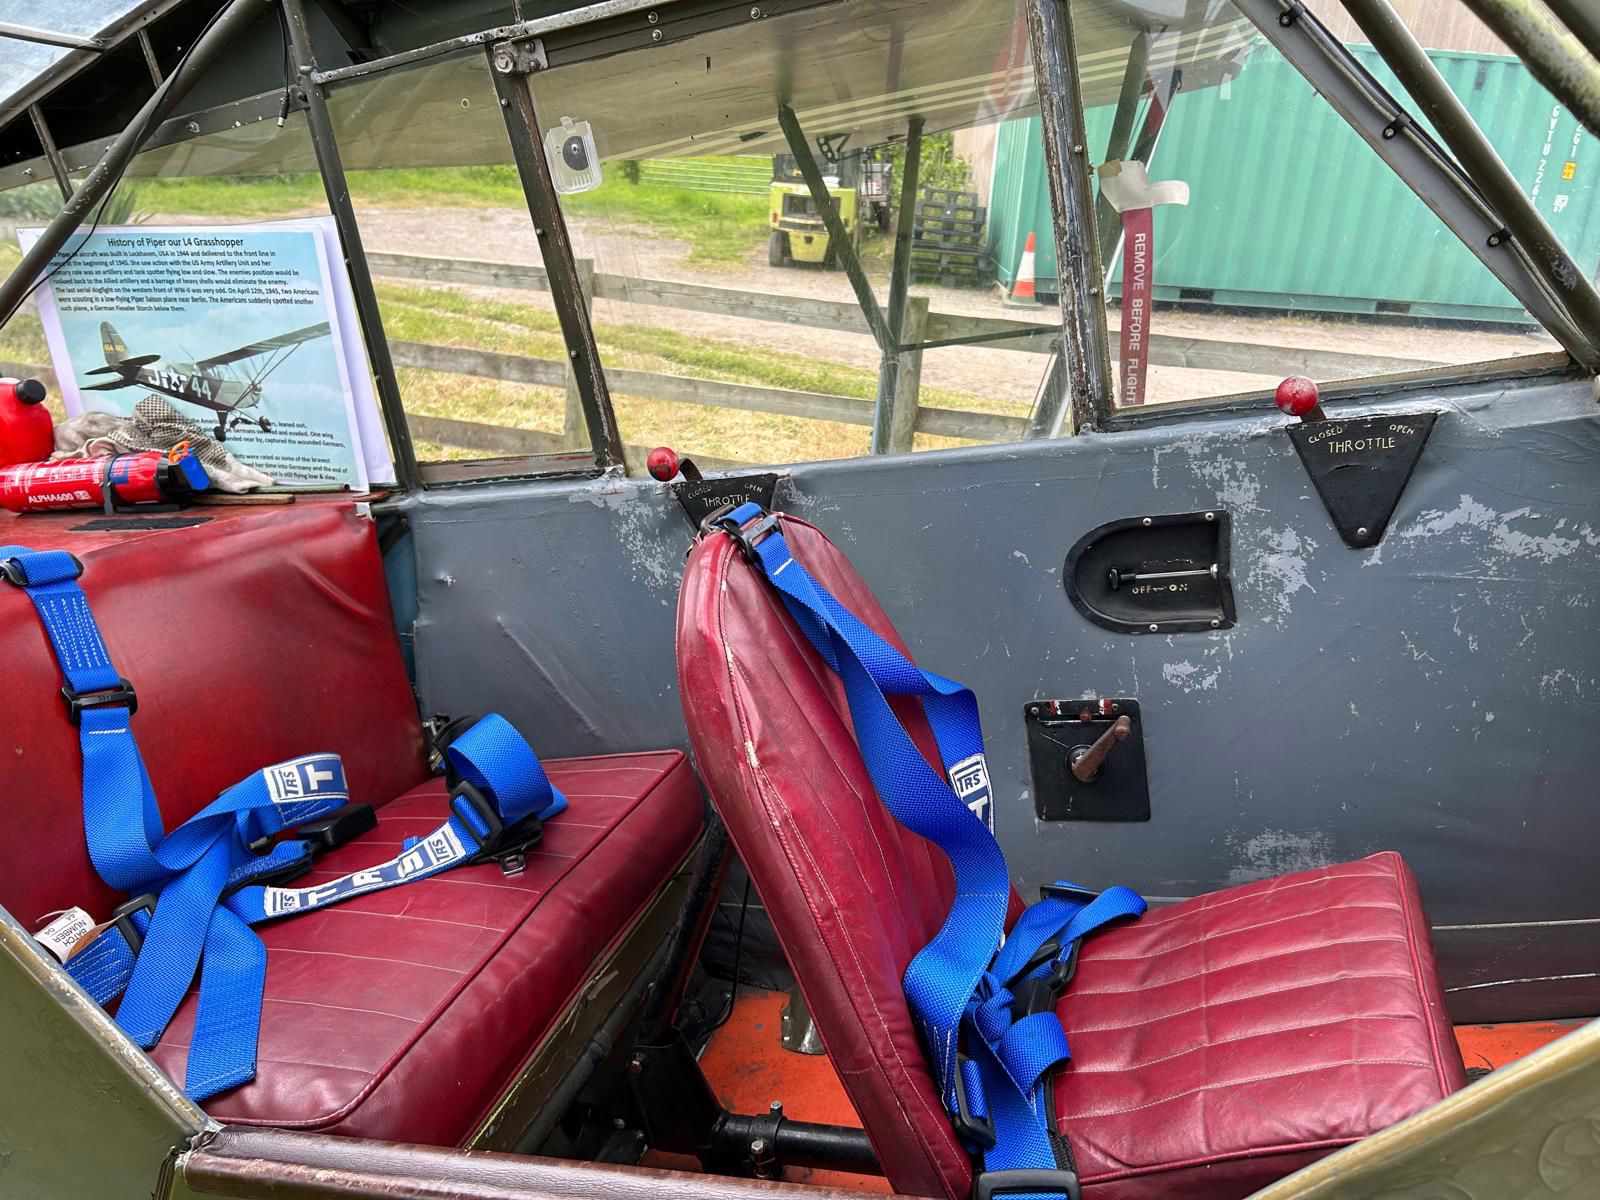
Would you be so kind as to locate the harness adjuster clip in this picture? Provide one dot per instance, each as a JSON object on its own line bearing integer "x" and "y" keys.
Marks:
{"x": 122, "y": 919}
{"x": 338, "y": 827}
{"x": 745, "y": 537}
{"x": 504, "y": 844}
{"x": 11, "y": 570}
{"x": 122, "y": 696}
{"x": 979, "y": 1131}
{"x": 288, "y": 873}
{"x": 988, "y": 1184}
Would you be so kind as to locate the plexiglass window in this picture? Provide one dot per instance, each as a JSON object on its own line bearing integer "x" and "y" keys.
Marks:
{"x": 724, "y": 305}
{"x": 479, "y": 355}
{"x": 1248, "y": 233}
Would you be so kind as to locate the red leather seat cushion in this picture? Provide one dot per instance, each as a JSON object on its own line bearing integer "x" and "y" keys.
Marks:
{"x": 403, "y": 1014}
{"x": 1345, "y": 1034}
{"x": 1220, "y": 1043}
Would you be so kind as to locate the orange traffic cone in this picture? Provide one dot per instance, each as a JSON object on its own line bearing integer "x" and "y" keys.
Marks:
{"x": 1022, "y": 292}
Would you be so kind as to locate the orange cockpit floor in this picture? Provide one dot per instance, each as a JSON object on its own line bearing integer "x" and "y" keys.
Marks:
{"x": 1494, "y": 1046}
{"x": 749, "y": 1068}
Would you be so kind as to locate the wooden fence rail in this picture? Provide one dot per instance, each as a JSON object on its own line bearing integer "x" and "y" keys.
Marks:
{"x": 683, "y": 389}
{"x": 1166, "y": 350}
{"x": 748, "y": 176}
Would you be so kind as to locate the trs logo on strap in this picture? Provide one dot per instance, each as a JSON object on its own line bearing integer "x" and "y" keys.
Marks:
{"x": 301, "y": 778}
{"x": 970, "y": 779}
{"x": 432, "y": 854}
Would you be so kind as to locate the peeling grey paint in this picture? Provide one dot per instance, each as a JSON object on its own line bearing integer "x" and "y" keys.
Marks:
{"x": 1280, "y": 852}
{"x": 1191, "y": 677}
{"x": 1505, "y": 541}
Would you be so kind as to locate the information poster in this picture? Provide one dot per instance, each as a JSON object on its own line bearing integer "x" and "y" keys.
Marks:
{"x": 242, "y": 329}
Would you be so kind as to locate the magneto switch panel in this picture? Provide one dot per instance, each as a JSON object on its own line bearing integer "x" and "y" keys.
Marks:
{"x": 1154, "y": 574}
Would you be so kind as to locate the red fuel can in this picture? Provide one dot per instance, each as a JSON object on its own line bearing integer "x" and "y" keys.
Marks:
{"x": 149, "y": 477}
{"x": 27, "y": 434}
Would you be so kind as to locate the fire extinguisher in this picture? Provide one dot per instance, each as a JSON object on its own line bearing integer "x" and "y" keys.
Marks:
{"x": 27, "y": 434}
{"x": 149, "y": 477}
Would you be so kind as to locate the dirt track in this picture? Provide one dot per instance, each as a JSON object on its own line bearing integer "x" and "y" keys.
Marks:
{"x": 995, "y": 374}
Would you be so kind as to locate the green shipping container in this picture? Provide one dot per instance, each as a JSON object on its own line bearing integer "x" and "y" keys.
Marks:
{"x": 1290, "y": 209}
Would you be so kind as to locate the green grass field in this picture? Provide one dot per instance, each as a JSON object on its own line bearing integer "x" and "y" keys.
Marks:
{"x": 718, "y": 228}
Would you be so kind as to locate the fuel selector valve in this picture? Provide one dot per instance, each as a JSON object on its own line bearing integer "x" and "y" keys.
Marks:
{"x": 1086, "y": 761}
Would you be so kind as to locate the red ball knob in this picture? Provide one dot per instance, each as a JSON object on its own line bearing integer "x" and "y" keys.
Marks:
{"x": 1296, "y": 396}
{"x": 662, "y": 463}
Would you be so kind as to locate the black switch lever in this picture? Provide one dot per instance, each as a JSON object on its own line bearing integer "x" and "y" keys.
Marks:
{"x": 1117, "y": 578}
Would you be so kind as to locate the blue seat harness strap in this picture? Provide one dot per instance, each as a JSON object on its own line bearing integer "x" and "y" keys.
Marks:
{"x": 200, "y": 888}
{"x": 991, "y": 1061}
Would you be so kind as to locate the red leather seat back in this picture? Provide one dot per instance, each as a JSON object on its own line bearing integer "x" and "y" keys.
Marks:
{"x": 257, "y": 636}
{"x": 852, "y": 895}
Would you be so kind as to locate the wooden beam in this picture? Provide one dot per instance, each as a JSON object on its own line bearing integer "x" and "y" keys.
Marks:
{"x": 683, "y": 389}
{"x": 501, "y": 440}
{"x": 1166, "y": 350}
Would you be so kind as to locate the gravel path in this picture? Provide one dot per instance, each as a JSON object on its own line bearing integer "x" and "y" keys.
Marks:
{"x": 996, "y": 374}
{"x": 999, "y": 375}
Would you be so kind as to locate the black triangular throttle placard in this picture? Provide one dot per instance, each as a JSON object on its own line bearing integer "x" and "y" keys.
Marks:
{"x": 1360, "y": 468}
{"x": 702, "y": 497}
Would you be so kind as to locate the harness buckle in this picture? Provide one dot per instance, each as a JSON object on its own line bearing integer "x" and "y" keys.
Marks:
{"x": 122, "y": 696}
{"x": 337, "y": 828}
{"x": 988, "y": 1184}
{"x": 975, "y": 1129}
{"x": 122, "y": 919}
{"x": 1040, "y": 995}
{"x": 745, "y": 538}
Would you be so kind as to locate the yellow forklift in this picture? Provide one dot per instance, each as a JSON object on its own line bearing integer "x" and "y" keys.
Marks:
{"x": 859, "y": 183}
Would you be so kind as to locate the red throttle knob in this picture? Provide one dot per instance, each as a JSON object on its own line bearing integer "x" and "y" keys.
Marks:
{"x": 1298, "y": 397}
{"x": 662, "y": 463}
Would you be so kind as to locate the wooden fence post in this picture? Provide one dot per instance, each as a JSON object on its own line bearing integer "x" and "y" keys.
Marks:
{"x": 908, "y": 383}
{"x": 574, "y": 431}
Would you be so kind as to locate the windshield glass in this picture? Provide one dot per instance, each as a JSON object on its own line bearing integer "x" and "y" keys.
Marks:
{"x": 1268, "y": 239}
{"x": 1546, "y": 148}
{"x": 22, "y": 61}
{"x": 163, "y": 187}
{"x": 1262, "y": 237}
{"x": 725, "y": 307}
{"x": 731, "y": 195}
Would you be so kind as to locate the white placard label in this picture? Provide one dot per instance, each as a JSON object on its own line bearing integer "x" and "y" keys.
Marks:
{"x": 66, "y": 931}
